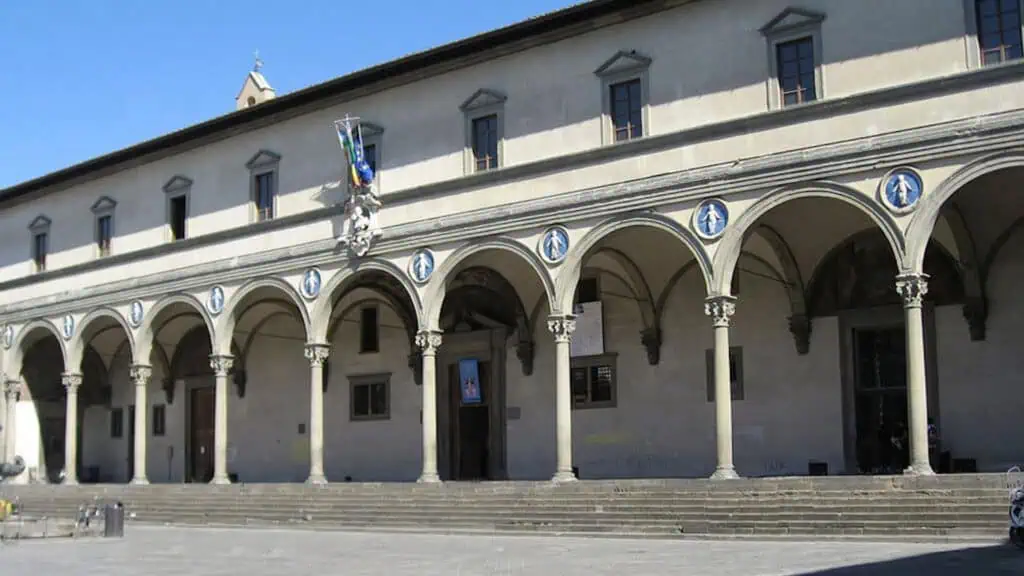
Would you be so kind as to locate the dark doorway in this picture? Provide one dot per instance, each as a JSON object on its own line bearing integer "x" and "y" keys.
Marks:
{"x": 880, "y": 391}
{"x": 201, "y": 436}
{"x": 470, "y": 430}
{"x": 130, "y": 444}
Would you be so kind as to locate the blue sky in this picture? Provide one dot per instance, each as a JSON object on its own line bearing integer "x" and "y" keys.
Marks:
{"x": 81, "y": 78}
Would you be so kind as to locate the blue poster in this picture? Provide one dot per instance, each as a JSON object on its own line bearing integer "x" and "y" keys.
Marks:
{"x": 469, "y": 380}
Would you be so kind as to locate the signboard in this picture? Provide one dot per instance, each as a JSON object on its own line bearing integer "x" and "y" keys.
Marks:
{"x": 469, "y": 380}
{"x": 588, "y": 339}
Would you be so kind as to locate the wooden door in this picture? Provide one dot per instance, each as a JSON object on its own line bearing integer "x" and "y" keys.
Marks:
{"x": 201, "y": 441}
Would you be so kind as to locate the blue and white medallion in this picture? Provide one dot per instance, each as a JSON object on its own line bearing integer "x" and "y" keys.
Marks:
{"x": 901, "y": 190}
{"x": 8, "y": 336}
{"x": 710, "y": 218}
{"x": 215, "y": 301}
{"x": 554, "y": 245}
{"x": 135, "y": 314}
{"x": 67, "y": 328}
{"x": 421, "y": 265}
{"x": 311, "y": 282}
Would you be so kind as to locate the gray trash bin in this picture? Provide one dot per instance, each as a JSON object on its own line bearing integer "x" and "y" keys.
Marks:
{"x": 113, "y": 520}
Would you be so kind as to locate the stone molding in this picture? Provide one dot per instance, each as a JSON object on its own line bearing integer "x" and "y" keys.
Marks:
{"x": 989, "y": 133}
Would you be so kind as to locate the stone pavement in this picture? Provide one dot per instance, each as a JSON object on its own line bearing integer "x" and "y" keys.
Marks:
{"x": 159, "y": 551}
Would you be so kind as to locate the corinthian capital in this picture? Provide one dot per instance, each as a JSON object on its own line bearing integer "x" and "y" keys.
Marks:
{"x": 317, "y": 354}
{"x": 221, "y": 365}
{"x": 140, "y": 374}
{"x": 912, "y": 287}
{"x": 562, "y": 327}
{"x": 721, "y": 309}
{"x": 71, "y": 381}
{"x": 428, "y": 341}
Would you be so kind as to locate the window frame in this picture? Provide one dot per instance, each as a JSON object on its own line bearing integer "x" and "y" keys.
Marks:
{"x": 376, "y": 309}
{"x": 737, "y": 392}
{"x": 116, "y": 424}
{"x": 483, "y": 103}
{"x": 40, "y": 225}
{"x": 973, "y": 39}
{"x": 609, "y": 359}
{"x": 587, "y": 276}
{"x": 264, "y": 162}
{"x": 357, "y": 380}
{"x": 624, "y": 66}
{"x": 103, "y": 208}
{"x": 177, "y": 187}
{"x": 159, "y": 419}
{"x": 790, "y": 25}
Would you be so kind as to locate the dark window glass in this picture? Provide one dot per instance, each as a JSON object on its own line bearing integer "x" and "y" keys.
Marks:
{"x": 117, "y": 423}
{"x": 370, "y": 153}
{"x": 104, "y": 232}
{"x": 485, "y": 142}
{"x": 587, "y": 291}
{"x": 40, "y": 245}
{"x": 264, "y": 196}
{"x": 999, "y": 30}
{"x": 370, "y": 400}
{"x": 795, "y": 65}
{"x": 178, "y": 216}
{"x": 592, "y": 385}
{"x": 369, "y": 333}
{"x": 159, "y": 420}
{"x": 626, "y": 110}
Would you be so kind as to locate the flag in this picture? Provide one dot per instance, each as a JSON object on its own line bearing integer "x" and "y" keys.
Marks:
{"x": 360, "y": 173}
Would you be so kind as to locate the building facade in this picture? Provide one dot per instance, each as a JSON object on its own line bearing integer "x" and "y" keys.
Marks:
{"x": 626, "y": 239}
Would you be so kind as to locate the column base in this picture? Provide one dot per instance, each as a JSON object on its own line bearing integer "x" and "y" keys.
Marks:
{"x": 220, "y": 481}
{"x": 139, "y": 481}
{"x": 69, "y": 481}
{"x": 725, "y": 474}
{"x": 563, "y": 477}
{"x": 919, "y": 469}
{"x": 429, "y": 478}
{"x": 316, "y": 480}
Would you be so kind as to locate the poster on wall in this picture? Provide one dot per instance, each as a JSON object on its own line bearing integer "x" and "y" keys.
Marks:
{"x": 469, "y": 380}
{"x": 588, "y": 339}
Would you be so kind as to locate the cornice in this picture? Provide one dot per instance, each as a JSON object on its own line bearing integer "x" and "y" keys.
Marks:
{"x": 989, "y": 133}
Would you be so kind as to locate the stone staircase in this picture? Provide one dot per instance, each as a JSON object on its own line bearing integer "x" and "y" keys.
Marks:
{"x": 949, "y": 507}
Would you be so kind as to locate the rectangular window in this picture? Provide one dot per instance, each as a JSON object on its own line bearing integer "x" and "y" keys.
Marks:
{"x": 159, "y": 420}
{"x": 588, "y": 290}
{"x": 40, "y": 246}
{"x": 369, "y": 333}
{"x": 735, "y": 373}
{"x": 370, "y": 400}
{"x": 795, "y": 62}
{"x": 485, "y": 142}
{"x": 117, "y": 423}
{"x": 999, "y": 30}
{"x": 178, "y": 217}
{"x": 370, "y": 153}
{"x": 593, "y": 382}
{"x": 626, "y": 110}
{"x": 104, "y": 233}
{"x": 264, "y": 196}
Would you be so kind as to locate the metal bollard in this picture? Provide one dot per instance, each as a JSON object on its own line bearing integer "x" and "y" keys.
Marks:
{"x": 113, "y": 520}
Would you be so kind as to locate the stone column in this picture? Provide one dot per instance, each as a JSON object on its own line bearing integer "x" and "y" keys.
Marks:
{"x": 721, "y": 309}
{"x": 562, "y": 327}
{"x": 221, "y": 367}
{"x": 913, "y": 287}
{"x": 72, "y": 382}
{"x": 3, "y": 417}
{"x": 428, "y": 341}
{"x": 140, "y": 375}
{"x": 11, "y": 390}
{"x": 317, "y": 356}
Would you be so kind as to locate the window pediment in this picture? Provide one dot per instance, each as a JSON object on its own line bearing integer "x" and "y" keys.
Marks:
{"x": 623, "y": 61}
{"x": 177, "y": 182}
{"x": 104, "y": 205}
{"x": 482, "y": 98}
{"x": 41, "y": 223}
{"x": 790, "y": 19}
{"x": 263, "y": 158}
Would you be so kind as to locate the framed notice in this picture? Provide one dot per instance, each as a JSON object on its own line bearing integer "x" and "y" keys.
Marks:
{"x": 588, "y": 339}
{"x": 469, "y": 380}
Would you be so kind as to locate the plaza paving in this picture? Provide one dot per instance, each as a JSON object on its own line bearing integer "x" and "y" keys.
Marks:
{"x": 158, "y": 551}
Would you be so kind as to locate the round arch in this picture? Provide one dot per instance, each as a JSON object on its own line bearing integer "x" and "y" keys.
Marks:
{"x": 17, "y": 352}
{"x": 573, "y": 265}
{"x": 322, "y": 310}
{"x": 78, "y": 343}
{"x": 923, "y": 223}
{"x": 228, "y": 319}
{"x": 732, "y": 241}
{"x": 434, "y": 294}
{"x": 145, "y": 335}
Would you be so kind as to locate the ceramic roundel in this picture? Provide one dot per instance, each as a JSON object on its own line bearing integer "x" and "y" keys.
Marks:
{"x": 710, "y": 218}
{"x": 215, "y": 301}
{"x": 901, "y": 190}
{"x": 554, "y": 245}
{"x": 311, "y": 283}
{"x": 421, "y": 265}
